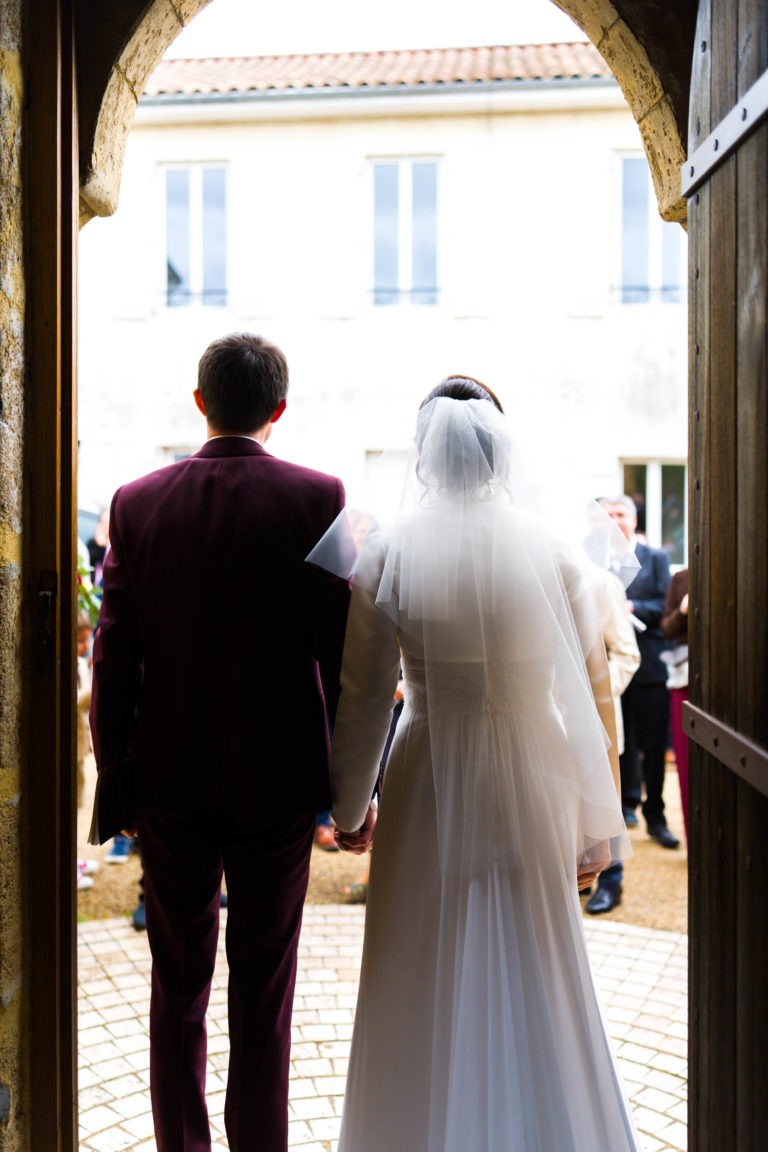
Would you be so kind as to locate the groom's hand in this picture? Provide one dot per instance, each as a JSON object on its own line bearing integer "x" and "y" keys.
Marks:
{"x": 359, "y": 842}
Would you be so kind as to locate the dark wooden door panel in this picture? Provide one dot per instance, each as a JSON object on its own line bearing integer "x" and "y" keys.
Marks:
{"x": 51, "y": 197}
{"x": 728, "y": 851}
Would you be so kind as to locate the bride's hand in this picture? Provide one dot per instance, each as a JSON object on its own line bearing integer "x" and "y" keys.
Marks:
{"x": 358, "y": 842}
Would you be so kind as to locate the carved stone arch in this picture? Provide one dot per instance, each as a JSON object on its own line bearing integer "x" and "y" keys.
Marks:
{"x": 103, "y": 141}
{"x": 645, "y": 90}
{"x": 654, "y": 89}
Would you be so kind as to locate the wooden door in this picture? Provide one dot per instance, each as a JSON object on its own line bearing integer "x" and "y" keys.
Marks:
{"x": 51, "y": 221}
{"x": 726, "y": 180}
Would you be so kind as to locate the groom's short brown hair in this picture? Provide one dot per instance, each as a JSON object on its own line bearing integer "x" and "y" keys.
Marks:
{"x": 242, "y": 379}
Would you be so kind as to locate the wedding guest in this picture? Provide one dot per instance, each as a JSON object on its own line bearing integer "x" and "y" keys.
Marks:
{"x": 97, "y": 548}
{"x": 645, "y": 703}
{"x": 84, "y": 869}
{"x": 623, "y": 656}
{"x": 674, "y": 625}
{"x": 84, "y": 636}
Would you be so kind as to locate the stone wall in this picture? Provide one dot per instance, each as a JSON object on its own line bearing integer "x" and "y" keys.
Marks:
{"x": 12, "y": 304}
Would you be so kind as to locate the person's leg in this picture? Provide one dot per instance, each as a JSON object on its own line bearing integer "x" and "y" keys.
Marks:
{"x": 324, "y": 832}
{"x": 678, "y": 696}
{"x": 121, "y": 849}
{"x": 182, "y": 878}
{"x": 653, "y": 728}
{"x": 267, "y": 869}
{"x": 629, "y": 761}
{"x": 139, "y": 918}
{"x": 608, "y": 892}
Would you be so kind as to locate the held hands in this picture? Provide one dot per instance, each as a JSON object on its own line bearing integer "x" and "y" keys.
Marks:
{"x": 588, "y": 873}
{"x": 592, "y": 864}
{"x": 358, "y": 842}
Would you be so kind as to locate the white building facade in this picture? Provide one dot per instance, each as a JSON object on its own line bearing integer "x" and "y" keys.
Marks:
{"x": 389, "y": 219}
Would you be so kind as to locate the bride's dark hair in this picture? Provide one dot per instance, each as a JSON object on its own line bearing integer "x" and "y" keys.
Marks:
{"x": 462, "y": 388}
{"x": 464, "y": 451}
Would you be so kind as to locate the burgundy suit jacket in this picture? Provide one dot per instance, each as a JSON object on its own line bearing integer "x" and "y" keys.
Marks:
{"x": 216, "y": 662}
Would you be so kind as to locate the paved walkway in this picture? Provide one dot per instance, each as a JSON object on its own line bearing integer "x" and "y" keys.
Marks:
{"x": 648, "y": 1026}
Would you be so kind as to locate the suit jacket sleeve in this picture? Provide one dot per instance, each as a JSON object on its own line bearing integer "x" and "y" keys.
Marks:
{"x": 117, "y": 656}
{"x": 649, "y": 604}
{"x": 331, "y": 602}
{"x": 619, "y": 635}
{"x": 586, "y": 616}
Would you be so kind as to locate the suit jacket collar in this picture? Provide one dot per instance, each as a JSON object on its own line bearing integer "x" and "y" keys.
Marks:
{"x": 231, "y": 446}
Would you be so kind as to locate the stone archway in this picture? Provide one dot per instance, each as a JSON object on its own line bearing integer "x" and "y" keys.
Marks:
{"x": 103, "y": 149}
{"x": 103, "y": 140}
{"x": 115, "y": 47}
{"x": 111, "y": 97}
{"x": 644, "y": 91}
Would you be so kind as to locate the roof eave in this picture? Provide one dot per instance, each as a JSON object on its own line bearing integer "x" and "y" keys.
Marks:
{"x": 355, "y": 104}
{"x": 328, "y": 92}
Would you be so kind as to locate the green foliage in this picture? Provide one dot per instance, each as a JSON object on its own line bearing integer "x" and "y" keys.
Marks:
{"x": 88, "y": 598}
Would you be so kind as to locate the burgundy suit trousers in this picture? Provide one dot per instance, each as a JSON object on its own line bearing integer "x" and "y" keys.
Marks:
{"x": 266, "y": 865}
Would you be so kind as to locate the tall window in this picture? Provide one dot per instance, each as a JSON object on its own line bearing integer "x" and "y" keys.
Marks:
{"x": 652, "y": 250}
{"x": 196, "y": 235}
{"x": 405, "y": 232}
{"x": 659, "y": 492}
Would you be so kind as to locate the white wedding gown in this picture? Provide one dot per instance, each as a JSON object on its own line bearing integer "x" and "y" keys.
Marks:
{"x": 477, "y": 1025}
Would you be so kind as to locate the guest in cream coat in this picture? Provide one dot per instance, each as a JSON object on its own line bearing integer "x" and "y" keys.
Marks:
{"x": 623, "y": 662}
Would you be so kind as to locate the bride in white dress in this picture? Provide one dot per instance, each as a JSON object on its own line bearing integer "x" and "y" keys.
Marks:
{"x": 477, "y": 1026}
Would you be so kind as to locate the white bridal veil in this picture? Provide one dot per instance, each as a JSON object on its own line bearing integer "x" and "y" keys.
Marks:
{"x": 477, "y": 1024}
{"x": 501, "y": 637}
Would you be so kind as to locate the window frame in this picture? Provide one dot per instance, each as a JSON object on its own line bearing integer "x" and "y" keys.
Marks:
{"x": 654, "y": 500}
{"x": 659, "y": 288}
{"x": 404, "y": 294}
{"x": 198, "y": 295}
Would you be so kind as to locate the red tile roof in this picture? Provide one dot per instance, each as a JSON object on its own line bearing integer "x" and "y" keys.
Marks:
{"x": 409, "y": 68}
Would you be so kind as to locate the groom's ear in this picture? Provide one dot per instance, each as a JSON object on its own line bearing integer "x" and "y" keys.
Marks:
{"x": 278, "y": 411}
{"x": 199, "y": 401}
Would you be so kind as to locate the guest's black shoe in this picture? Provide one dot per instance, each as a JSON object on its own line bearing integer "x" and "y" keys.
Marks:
{"x": 139, "y": 918}
{"x": 630, "y": 817}
{"x": 663, "y": 836}
{"x": 603, "y": 900}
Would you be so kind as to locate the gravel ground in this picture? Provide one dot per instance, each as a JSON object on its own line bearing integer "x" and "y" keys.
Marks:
{"x": 655, "y": 879}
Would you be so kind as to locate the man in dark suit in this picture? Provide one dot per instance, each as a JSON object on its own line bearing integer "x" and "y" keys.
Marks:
{"x": 644, "y": 703}
{"x": 216, "y": 670}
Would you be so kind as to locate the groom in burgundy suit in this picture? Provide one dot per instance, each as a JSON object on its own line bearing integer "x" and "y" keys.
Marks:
{"x": 216, "y": 671}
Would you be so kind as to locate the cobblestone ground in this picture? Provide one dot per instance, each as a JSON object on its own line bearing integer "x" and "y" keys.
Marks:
{"x": 641, "y": 975}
